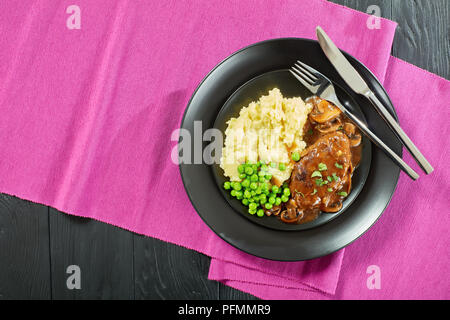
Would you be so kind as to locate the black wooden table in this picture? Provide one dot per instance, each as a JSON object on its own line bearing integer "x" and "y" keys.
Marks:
{"x": 37, "y": 243}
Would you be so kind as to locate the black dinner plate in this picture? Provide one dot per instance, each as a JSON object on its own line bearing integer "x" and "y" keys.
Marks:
{"x": 373, "y": 191}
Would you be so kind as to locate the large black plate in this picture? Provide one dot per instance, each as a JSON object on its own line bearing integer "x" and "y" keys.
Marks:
{"x": 236, "y": 229}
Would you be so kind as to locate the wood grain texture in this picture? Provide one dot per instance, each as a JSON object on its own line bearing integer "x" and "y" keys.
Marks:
{"x": 423, "y": 34}
{"x": 38, "y": 243}
{"x": 167, "y": 271}
{"x": 24, "y": 250}
{"x": 103, "y": 252}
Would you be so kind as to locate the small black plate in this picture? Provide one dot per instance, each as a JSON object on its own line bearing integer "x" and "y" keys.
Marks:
{"x": 289, "y": 87}
{"x": 239, "y": 231}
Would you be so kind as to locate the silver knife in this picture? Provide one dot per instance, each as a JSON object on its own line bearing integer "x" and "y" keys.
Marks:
{"x": 356, "y": 82}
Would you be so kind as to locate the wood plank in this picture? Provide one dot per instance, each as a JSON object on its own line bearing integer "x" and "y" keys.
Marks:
{"x": 167, "y": 271}
{"x": 422, "y": 36}
{"x": 363, "y": 5}
{"x": 24, "y": 250}
{"x": 103, "y": 252}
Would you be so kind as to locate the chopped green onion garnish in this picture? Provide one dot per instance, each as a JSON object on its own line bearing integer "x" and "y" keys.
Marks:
{"x": 322, "y": 167}
{"x": 315, "y": 191}
{"x": 330, "y": 190}
{"x": 316, "y": 174}
{"x": 335, "y": 177}
{"x": 343, "y": 193}
{"x": 319, "y": 182}
{"x": 329, "y": 178}
{"x": 337, "y": 165}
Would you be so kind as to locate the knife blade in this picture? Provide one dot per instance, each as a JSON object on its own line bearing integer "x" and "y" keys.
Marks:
{"x": 357, "y": 84}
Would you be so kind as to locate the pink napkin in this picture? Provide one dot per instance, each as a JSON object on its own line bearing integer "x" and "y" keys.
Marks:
{"x": 87, "y": 116}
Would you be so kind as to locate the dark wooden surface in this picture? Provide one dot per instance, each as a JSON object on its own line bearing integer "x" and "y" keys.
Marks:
{"x": 37, "y": 243}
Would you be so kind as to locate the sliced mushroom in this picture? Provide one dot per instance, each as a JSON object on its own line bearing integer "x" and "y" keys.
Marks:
{"x": 274, "y": 211}
{"x": 324, "y": 112}
{"x": 335, "y": 207}
{"x": 350, "y": 130}
{"x": 291, "y": 215}
{"x": 329, "y": 126}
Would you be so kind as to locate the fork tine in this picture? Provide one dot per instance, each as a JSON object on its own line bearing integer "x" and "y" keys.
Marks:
{"x": 307, "y": 73}
{"x": 313, "y": 71}
{"x": 303, "y": 82}
{"x": 302, "y": 75}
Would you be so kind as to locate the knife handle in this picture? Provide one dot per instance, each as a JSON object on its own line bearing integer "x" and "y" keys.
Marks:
{"x": 389, "y": 152}
{"x": 402, "y": 136}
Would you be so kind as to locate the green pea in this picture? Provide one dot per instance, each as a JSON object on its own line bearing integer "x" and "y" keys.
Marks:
{"x": 268, "y": 176}
{"x": 268, "y": 206}
{"x": 263, "y": 200}
{"x": 258, "y": 190}
{"x": 260, "y": 213}
{"x": 247, "y": 194}
{"x": 249, "y": 171}
{"x": 254, "y": 167}
{"x": 272, "y": 200}
{"x": 241, "y": 168}
{"x": 253, "y": 193}
{"x": 227, "y": 185}
{"x": 236, "y": 186}
{"x": 245, "y": 183}
{"x": 277, "y": 201}
{"x": 242, "y": 176}
{"x": 254, "y": 178}
{"x": 253, "y": 185}
{"x": 264, "y": 167}
{"x": 252, "y": 211}
{"x": 282, "y": 166}
{"x": 239, "y": 195}
{"x": 284, "y": 198}
{"x": 252, "y": 206}
{"x": 275, "y": 189}
{"x": 245, "y": 202}
{"x": 286, "y": 192}
{"x": 262, "y": 179}
{"x": 295, "y": 156}
{"x": 233, "y": 193}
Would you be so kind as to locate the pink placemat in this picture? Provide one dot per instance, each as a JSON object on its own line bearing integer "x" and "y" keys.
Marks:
{"x": 87, "y": 114}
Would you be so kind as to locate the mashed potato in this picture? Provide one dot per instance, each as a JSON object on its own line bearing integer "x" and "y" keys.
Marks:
{"x": 268, "y": 130}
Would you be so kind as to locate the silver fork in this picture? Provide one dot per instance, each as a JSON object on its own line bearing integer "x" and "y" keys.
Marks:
{"x": 321, "y": 86}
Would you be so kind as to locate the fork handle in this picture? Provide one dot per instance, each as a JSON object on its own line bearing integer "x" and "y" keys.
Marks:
{"x": 389, "y": 152}
{"x": 402, "y": 136}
